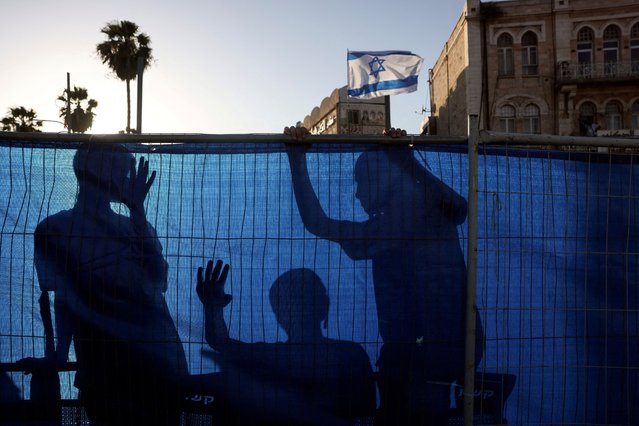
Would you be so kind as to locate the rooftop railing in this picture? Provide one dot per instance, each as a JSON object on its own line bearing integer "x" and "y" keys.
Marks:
{"x": 601, "y": 71}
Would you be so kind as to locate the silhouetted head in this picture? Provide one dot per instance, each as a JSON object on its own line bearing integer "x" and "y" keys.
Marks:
{"x": 300, "y": 302}
{"x": 380, "y": 174}
{"x": 102, "y": 168}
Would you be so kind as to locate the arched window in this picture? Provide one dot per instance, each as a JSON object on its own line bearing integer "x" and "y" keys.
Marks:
{"x": 587, "y": 119}
{"x": 507, "y": 119}
{"x": 585, "y": 38}
{"x": 634, "y": 48}
{"x": 614, "y": 117}
{"x": 611, "y": 38}
{"x": 531, "y": 119}
{"x": 635, "y": 116}
{"x": 505, "y": 59}
{"x": 529, "y": 53}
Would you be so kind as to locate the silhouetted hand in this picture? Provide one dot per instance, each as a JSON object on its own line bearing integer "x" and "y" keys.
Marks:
{"x": 294, "y": 149}
{"x": 210, "y": 285}
{"x": 394, "y": 133}
{"x": 296, "y": 133}
{"x": 139, "y": 185}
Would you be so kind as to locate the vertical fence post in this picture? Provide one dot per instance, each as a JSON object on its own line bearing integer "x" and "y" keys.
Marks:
{"x": 140, "y": 75}
{"x": 469, "y": 375}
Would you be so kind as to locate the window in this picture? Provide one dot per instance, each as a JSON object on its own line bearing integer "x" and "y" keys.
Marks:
{"x": 614, "y": 116}
{"x": 634, "y": 48}
{"x": 505, "y": 60}
{"x": 531, "y": 119}
{"x": 587, "y": 119}
{"x": 635, "y": 115}
{"x": 585, "y": 38}
{"x": 611, "y": 37}
{"x": 353, "y": 116}
{"x": 507, "y": 119}
{"x": 529, "y": 53}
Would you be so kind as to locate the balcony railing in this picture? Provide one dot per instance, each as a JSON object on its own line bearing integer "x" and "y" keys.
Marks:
{"x": 602, "y": 71}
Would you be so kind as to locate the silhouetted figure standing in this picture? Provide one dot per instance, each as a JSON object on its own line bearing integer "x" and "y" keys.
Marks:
{"x": 308, "y": 379}
{"x": 109, "y": 279}
{"x": 419, "y": 273}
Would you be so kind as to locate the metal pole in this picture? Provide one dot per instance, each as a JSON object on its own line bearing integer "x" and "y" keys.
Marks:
{"x": 469, "y": 375}
{"x": 140, "y": 64}
{"x": 68, "y": 117}
{"x": 387, "y": 111}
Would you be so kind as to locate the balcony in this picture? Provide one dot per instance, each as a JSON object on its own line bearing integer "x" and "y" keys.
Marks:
{"x": 573, "y": 72}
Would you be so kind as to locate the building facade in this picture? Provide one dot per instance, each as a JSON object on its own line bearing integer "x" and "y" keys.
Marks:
{"x": 564, "y": 67}
{"x": 340, "y": 114}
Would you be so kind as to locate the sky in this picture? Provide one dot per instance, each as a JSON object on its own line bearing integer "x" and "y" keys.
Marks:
{"x": 221, "y": 67}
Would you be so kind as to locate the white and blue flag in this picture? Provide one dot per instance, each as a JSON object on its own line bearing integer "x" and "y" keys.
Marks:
{"x": 374, "y": 74}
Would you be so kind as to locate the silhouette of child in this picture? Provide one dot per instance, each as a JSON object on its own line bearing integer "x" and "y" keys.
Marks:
{"x": 309, "y": 379}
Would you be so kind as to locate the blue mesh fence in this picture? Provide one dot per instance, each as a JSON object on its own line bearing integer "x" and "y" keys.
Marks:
{"x": 557, "y": 263}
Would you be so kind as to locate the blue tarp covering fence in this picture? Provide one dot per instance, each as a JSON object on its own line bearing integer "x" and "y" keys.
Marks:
{"x": 557, "y": 258}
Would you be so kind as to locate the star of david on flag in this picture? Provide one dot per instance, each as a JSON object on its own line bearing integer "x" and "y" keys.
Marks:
{"x": 377, "y": 66}
{"x": 374, "y": 74}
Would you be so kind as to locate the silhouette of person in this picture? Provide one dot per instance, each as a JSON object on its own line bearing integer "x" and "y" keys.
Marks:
{"x": 109, "y": 277}
{"x": 419, "y": 273}
{"x": 309, "y": 379}
{"x": 9, "y": 392}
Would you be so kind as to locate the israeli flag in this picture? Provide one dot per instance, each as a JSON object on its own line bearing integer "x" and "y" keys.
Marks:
{"x": 374, "y": 74}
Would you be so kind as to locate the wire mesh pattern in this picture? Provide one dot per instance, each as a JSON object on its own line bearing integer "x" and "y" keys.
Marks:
{"x": 557, "y": 265}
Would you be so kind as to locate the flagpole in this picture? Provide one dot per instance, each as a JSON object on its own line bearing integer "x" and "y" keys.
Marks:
{"x": 348, "y": 99}
{"x": 387, "y": 107}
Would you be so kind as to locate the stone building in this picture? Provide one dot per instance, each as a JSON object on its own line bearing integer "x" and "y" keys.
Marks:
{"x": 340, "y": 114}
{"x": 565, "y": 67}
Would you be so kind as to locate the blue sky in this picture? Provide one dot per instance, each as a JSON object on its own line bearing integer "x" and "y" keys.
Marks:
{"x": 221, "y": 67}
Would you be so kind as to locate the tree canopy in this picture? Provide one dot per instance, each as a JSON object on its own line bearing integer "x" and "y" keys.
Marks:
{"x": 79, "y": 117}
{"x": 21, "y": 119}
{"x": 123, "y": 46}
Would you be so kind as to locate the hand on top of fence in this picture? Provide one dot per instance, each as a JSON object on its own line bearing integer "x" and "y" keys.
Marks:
{"x": 296, "y": 133}
{"x": 394, "y": 133}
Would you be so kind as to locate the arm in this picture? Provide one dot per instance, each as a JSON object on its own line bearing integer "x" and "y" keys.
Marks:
{"x": 210, "y": 290}
{"x": 313, "y": 216}
{"x": 63, "y": 329}
{"x": 51, "y": 279}
{"x": 347, "y": 233}
{"x": 150, "y": 250}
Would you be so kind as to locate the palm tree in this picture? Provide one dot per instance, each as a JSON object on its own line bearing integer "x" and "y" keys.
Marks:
{"x": 79, "y": 118}
{"x": 20, "y": 119}
{"x": 120, "y": 52}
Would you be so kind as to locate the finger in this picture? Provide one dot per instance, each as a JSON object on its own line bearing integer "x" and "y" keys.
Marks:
{"x": 146, "y": 167}
{"x": 227, "y": 299}
{"x": 225, "y": 272}
{"x": 132, "y": 169}
{"x": 287, "y": 130}
{"x": 216, "y": 271}
{"x": 141, "y": 167}
{"x": 150, "y": 182}
{"x": 200, "y": 281}
{"x": 209, "y": 268}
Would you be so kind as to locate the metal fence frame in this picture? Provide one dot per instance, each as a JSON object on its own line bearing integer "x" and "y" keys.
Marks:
{"x": 274, "y": 143}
